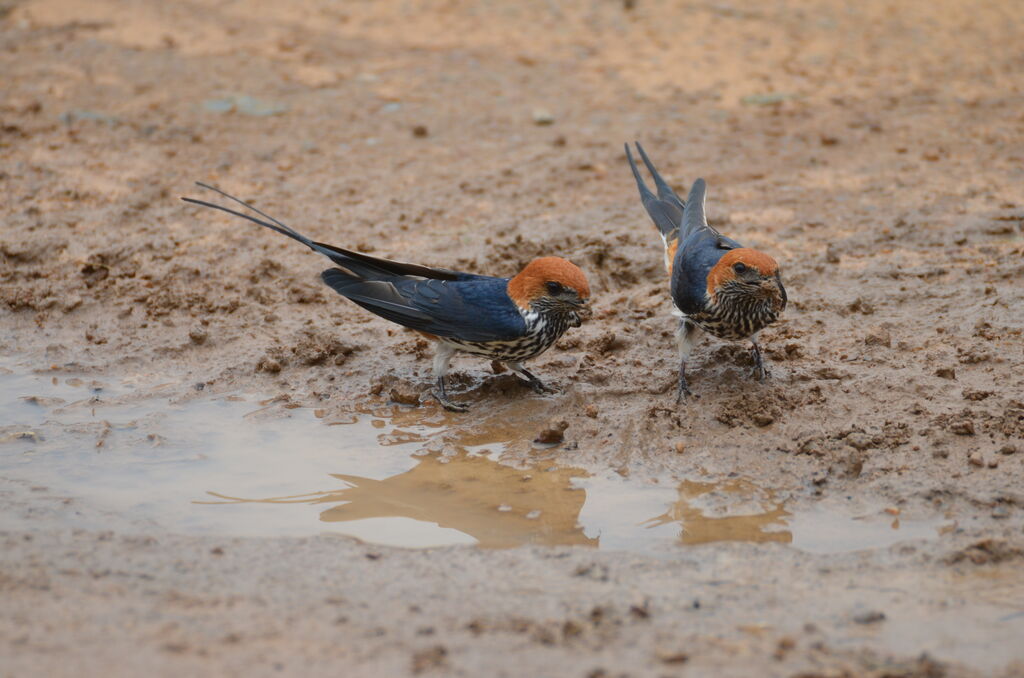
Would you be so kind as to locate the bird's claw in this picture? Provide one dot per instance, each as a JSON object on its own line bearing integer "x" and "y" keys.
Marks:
{"x": 540, "y": 387}
{"x": 761, "y": 372}
{"x": 448, "y": 404}
{"x": 683, "y": 392}
{"x": 441, "y": 394}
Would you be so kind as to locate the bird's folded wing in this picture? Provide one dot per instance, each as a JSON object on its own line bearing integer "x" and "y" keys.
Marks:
{"x": 476, "y": 310}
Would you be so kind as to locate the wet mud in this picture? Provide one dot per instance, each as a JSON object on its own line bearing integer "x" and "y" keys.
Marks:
{"x": 176, "y": 383}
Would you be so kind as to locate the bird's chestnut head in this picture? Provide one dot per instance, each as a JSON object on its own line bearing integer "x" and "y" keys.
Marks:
{"x": 749, "y": 272}
{"x": 553, "y": 285}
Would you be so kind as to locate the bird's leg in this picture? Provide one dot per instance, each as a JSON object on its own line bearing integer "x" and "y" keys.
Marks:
{"x": 535, "y": 383}
{"x": 760, "y": 370}
{"x": 442, "y": 358}
{"x": 686, "y": 336}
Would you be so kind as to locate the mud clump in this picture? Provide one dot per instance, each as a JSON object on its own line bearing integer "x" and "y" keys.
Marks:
{"x": 605, "y": 343}
{"x": 311, "y": 349}
{"x": 398, "y": 389}
{"x": 987, "y": 551}
{"x": 763, "y": 408}
{"x": 552, "y": 433}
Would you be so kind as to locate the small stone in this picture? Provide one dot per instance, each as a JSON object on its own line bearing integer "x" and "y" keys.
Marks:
{"x": 591, "y": 411}
{"x": 869, "y": 617}
{"x": 420, "y": 131}
{"x": 542, "y": 116}
{"x": 832, "y": 254}
{"x": 1008, "y": 449}
{"x": 1001, "y": 511}
{"x": 859, "y": 440}
{"x": 672, "y": 656}
{"x": 878, "y": 336}
{"x": 828, "y": 140}
{"x": 763, "y": 419}
{"x": 680, "y": 447}
{"x": 269, "y": 365}
{"x": 553, "y": 433}
{"x": 429, "y": 658}
{"x": 975, "y": 459}
{"x": 993, "y": 463}
{"x": 946, "y": 373}
{"x": 404, "y": 396}
{"x": 198, "y": 335}
{"x": 964, "y": 427}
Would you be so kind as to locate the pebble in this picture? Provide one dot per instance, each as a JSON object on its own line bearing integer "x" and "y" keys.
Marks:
{"x": 975, "y": 459}
{"x": 878, "y": 336}
{"x": 591, "y": 411}
{"x": 1001, "y": 511}
{"x": 420, "y": 131}
{"x": 680, "y": 447}
{"x": 404, "y": 396}
{"x": 1008, "y": 449}
{"x": 552, "y": 433}
{"x": 964, "y": 427}
{"x": 542, "y": 116}
{"x": 672, "y": 656}
{"x": 269, "y": 365}
{"x": 869, "y": 617}
{"x": 946, "y": 373}
{"x": 198, "y": 335}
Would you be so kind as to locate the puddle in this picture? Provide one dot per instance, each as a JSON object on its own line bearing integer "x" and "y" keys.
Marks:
{"x": 236, "y": 465}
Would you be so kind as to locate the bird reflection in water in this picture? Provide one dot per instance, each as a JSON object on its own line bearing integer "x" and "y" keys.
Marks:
{"x": 500, "y": 506}
{"x": 766, "y": 522}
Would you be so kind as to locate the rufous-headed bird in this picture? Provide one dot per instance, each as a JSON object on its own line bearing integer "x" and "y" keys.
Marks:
{"x": 508, "y": 320}
{"x": 718, "y": 286}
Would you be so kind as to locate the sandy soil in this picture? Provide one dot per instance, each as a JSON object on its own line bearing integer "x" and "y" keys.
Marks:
{"x": 875, "y": 150}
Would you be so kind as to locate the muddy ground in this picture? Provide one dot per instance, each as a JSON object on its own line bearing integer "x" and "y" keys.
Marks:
{"x": 876, "y": 150}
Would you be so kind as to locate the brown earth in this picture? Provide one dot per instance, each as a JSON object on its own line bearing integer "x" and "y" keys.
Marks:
{"x": 876, "y": 150}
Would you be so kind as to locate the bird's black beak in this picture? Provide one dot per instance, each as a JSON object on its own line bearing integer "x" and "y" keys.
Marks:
{"x": 581, "y": 313}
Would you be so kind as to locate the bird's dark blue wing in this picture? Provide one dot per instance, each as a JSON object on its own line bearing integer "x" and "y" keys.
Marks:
{"x": 473, "y": 309}
{"x": 696, "y": 256}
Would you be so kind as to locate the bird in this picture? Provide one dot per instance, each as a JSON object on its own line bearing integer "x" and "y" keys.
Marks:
{"x": 510, "y": 320}
{"x": 718, "y": 286}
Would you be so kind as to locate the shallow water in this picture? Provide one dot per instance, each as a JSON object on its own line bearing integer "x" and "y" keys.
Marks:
{"x": 238, "y": 465}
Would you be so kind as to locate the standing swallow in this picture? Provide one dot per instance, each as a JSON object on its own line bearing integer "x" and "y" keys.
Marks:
{"x": 718, "y": 286}
{"x": 509, "y": 320}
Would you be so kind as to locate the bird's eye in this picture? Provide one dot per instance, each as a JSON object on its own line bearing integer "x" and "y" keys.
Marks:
{"x": 553, "y": 287}
{"x": 739, "y": 267}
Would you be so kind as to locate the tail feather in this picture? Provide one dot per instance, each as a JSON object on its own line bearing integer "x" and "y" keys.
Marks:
{"x": 359, "y": 264}
{"x": 665, "y": 191}
{"x": 666, "y": 214}
{"x": 693, "y": 216}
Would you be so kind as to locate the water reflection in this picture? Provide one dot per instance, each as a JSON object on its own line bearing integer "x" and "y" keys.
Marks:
{"x": 135, "y": 450}
{"x": 497, "y": 505}
{"x": 765, "y": 522}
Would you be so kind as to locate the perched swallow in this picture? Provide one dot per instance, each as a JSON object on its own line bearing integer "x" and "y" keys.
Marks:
{"x": 719, "y": 286}
{"x": 509, "y": 320}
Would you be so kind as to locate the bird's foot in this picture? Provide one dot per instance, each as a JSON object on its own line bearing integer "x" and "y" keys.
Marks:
{"x": 448, "y": 404}
{"x": 539, "y": 386}
{"x": 442, "y": 397}
{"x": 761, "y": 371}
{"x": 683, "y": 390}
{"x": 532, "y": 381}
